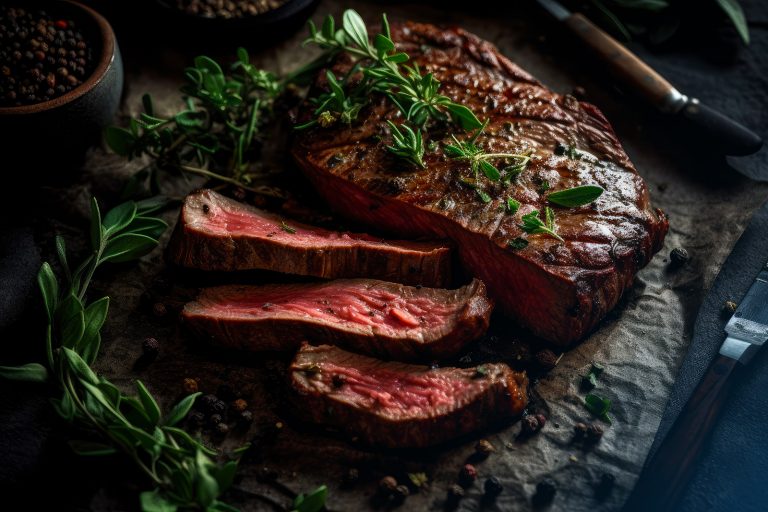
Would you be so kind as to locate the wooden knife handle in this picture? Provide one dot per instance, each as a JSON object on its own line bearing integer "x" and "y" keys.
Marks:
{"x": 623, "y": 62}
{"x": 666, "y": 475}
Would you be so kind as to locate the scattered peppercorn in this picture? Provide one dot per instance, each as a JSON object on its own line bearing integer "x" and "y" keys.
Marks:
{"x": 679, "y": 257}
{"x": 730, "y": 307}
{"x": 484, "y": 448}
{"x": 605, "y": 486}
{"x": 196, "y": 419}
{"x": 467, "y": 475}
{"x": 546, "y": 359}
{"x": 239, "y": 405}
{"x": 159, "y": 309}
{"x": 456, "y": 492}
{"x": 215, "y": 419}
{"x": 580, "y": 430}
{"x": 222, "y": 428}
{"x": 150, "y": 347}
{"x": 207, "y": 402}
{"x": 492, "y": 486}
{"x": 529, "y": 425}
{"x": 545, "y": 492}
{"x": 352, "y": 477}
{"x": 338, "y": 380}
{"x": 400, "y": 493}
{"x": 594, "y": 433}
{"x": 246, "y": 417}
{"x": 387, "y": 485}
{"x": 218, "y": 407}
{"x": 190, "y": 385}
{"x": 35, "y": 49}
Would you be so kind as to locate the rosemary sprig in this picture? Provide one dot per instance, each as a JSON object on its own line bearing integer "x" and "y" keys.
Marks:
{"x": 181, "y": 469}
{"x": 533, "y": 224}
{"x": 216, "y": 129}
{"x": 407, "y": 144}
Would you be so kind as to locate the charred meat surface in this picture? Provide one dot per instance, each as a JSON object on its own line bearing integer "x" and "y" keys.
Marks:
{"x": 402, "y": 405}
{"x": 372, "y": 317}
{"x": 558, "y": 289}
{"x": 220, "y": 234}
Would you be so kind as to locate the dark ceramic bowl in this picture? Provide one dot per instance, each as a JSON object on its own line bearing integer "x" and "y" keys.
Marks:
{"x": 265, "y": 28}
{"x": 62, "y": 128}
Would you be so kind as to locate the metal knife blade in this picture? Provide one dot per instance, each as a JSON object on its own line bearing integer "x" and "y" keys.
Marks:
{"x": 722, "y": 132}
{"x": 748, "y": 327}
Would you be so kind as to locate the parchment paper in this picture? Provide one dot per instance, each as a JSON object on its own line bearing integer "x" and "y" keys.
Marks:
{"x": 641, "y": 343}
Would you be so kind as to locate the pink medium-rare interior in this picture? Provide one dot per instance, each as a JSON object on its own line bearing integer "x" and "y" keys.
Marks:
{"x": 413, "y": 393}
{"x": 228, "y": 218}
{"x": 341, "y": 302}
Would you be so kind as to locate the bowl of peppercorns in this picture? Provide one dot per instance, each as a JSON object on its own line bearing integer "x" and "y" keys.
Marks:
{"x": 61, "y": 77}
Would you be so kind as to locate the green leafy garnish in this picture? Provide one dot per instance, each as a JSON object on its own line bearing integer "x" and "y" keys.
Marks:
{"x": 576, "y": 196}
{"x": 512, "y": 205}
{"x": 418, "y": 479}
{"x": 180, "y": 468}
{"x": 285, "y": 227}
{"x": 518, "y": 243}
{"x": 473, "y": 152}
{"x": 532, "y": 224}
{"x": 598, "y": 406}
{"x": 589, "y": 381}
{"x": 312, "y": 502}
{"x": 407, "y": 144}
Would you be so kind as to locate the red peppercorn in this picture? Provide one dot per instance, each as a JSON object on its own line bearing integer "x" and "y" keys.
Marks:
{"x": 61, "y": 24}
{"x": 467, "y": 475}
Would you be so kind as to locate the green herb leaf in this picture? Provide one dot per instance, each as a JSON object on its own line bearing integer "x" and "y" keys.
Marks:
{"x": 153, "y": 501}
{"x": 576, "y": 196}
{"x": 70, "y": 317}
{"x": 518, "y": 243}
{"x": 463, "y": 116}
{"x": 532, "y": 224}
{"x": 94, "y": 317}
{"x": 180, "y": 410}
{"x": 598, "y": 406}
{"x": 119, "y": 217}
{"x": 91, "y": 448}
{"x": 206, "y": 488}
{"x": 80, "y": 367}
{"x": 97, "y": 230}
{"x": 285, "y": 227}
{"x": 354, "y": 26}
{"x": 312, "y": 502}
{"x": 30, "y": 372}
{"x": 120, "y": 140}
{"x": 127, "y": 247}
{"x": 49, "y": 288}
{"x": 734, "y": 11}
{"x": 149, "y": 403}
{"x": 589, "y": 381}
{"x": 418, "y": 479}
{"x": 513, "y": 205}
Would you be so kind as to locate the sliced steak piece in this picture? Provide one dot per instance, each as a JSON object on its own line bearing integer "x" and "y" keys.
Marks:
{"x": 384, "y": 319}
{"x": 220, "y": 234}
{"x": 558, "y": 290}
{"x": 400, "y": 405}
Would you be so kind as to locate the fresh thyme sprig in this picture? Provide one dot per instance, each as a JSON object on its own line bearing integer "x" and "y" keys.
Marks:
{"x": 212, "y": 136}
{"x": 181, "y": 469}
{"x": 533, "y": 224}
{"x": 407, "y": 144}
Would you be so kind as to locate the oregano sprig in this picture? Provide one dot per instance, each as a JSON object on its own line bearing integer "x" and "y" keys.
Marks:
{"x": 533, "y": 224}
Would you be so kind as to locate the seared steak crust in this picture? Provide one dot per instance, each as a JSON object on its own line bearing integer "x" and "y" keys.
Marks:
{"x": 372, "y": 317}
{"x": 400, "y": 405}
{"x": 220, "y": 234}
{"x": 558, "y": 290}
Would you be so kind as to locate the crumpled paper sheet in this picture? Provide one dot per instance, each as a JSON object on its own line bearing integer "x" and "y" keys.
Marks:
{"x": 641, "y": 343}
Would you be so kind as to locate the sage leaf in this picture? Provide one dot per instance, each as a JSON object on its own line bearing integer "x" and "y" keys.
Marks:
{"x": 91, "y": 448}
{"x": 49, "y": 288}
{"x": 354, "y": 27}
{"x": 119, "y": 140}
{"x": 149, "y": 403}
{"x": 180, "y": 410}
{"x": 463, "y": 116}
{"x": 61, "y": 252}
{"x": 207, "y": 488}
{"x": 598, "y": 406}
{"x": 127, "y": 247}
{"x": 97, "y": 230}
{"x": 94, "y": 316}
{"x": 30, "y": 372}
{"x": 225, "y": 475}
{"x": 119, "y": 217}
{"x": 733, "y": 10}
{"x": 576, "y": 196}
{"x": 81, "y": 368}
{"x": 151, "y": 205}
{"x": 312, "y": 502}
{"x": 153, "y": 501}
{"x": 71, "y": 320}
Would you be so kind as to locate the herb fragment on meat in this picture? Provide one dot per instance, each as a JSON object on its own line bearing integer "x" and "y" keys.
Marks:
{"x": 576, "y": 196}
{"x": 532, "y": 224}
{"x": 407, "y": 144}
{"x": 285, "y": 227}
{"x": 517, "y": 243}
{"x": 418, "y": 479}
{"x": 512, "y": 206}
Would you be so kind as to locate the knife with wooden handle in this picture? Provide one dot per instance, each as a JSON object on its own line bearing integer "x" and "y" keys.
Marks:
{"x": 721, "y": 131}
{"x": 667, "y": 473}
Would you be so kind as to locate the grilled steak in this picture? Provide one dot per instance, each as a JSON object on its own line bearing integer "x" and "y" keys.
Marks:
{"x": 372, "y": 317}
{"x": 402, "y": 405}
{"x": 559, "y": 290}
{"x": 218, "y": 233}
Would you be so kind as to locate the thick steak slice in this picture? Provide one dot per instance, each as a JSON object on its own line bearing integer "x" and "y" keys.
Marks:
{"x": 220, "y": 234}
{"x": 558, "y": 290}
{"x": 400, "y": 405}
{"x": 372, "y": 317}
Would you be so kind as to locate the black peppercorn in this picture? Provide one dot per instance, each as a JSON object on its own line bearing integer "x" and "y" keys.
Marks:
{"x": 730, "y": 307}
{"x": 387, "y": 485}
{"x": 483, "y": 448}
{"x": 215, "y": 419}
{"x": 545, "y": 492}
{"x": 150, "y": 347}
{"x": 455, "y": 493}
{"x": 196, "y": 419}
{"x": 222, "y": 428}
{"x": 546, "y": 359}
{"x": 400, "y": 493}
{"x": 580, "y": 430}
{"x": 492, "y": 486}
{"x": 594, "y": 433}
{"x": 679, "y": 257}
{"x": 207, "y": 402}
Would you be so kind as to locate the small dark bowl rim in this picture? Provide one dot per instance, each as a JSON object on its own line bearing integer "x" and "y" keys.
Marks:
{"x": 287, "y": 10}
{"x": 105, "y": 61}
